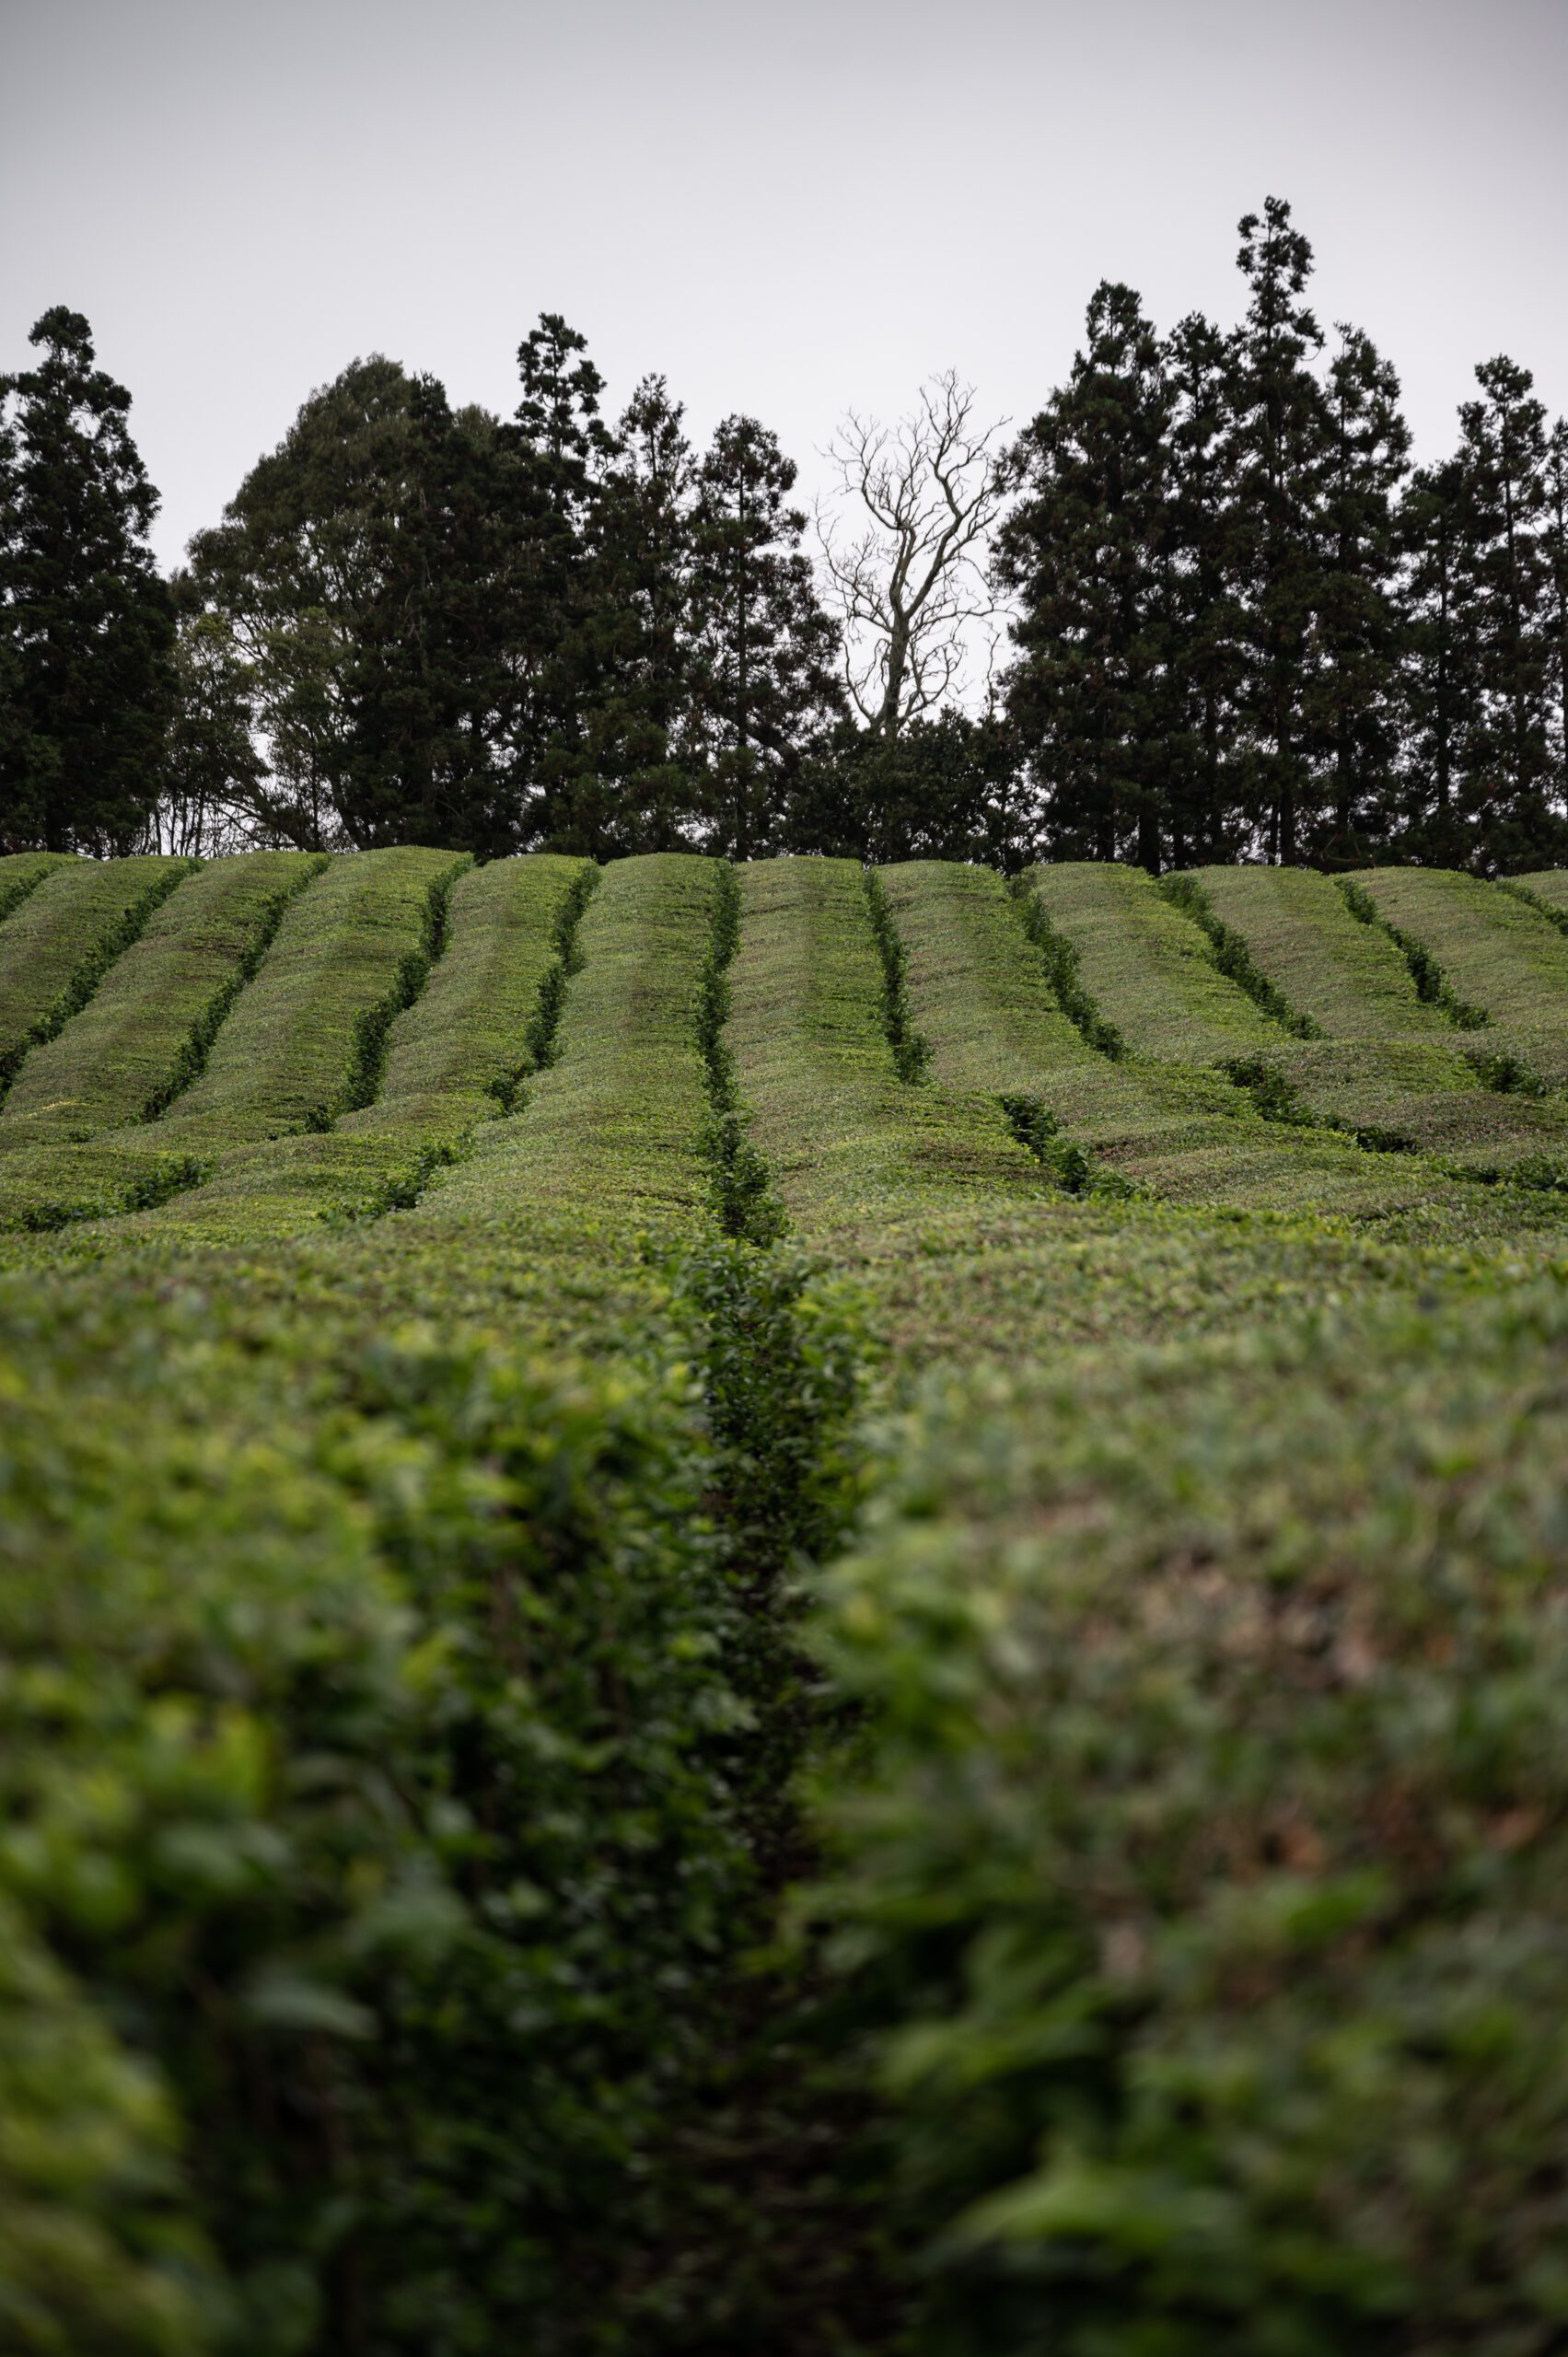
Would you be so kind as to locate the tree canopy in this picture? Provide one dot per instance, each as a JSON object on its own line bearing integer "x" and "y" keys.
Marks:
{"x": 1239, "y": 625}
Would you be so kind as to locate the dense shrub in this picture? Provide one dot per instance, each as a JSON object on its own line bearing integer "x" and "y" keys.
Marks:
{"x": 355, "y": 1766}
{"x": 1203, "y": 1874}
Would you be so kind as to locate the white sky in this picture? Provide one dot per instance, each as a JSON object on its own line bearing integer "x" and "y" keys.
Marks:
{"x": 786, "y": 209}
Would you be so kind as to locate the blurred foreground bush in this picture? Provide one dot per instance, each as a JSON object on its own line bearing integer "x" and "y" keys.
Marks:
{"x": 1202, "y": 1881}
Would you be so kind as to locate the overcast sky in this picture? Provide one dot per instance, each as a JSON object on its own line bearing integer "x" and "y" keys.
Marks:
{"x": 784, "y": 208}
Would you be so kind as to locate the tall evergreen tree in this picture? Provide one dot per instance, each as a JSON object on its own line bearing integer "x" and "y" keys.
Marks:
{"x": 1206, "y": 819}
{"x": 563, "y": 447}
{"x": 1505, "y": 608}
{"x": 943, "y": 788}
{"x": 1437, "y": 682}
{"x": 620, "y": 783}
{"x": 1555, "y": 541}
{"x": 1086, "y": 553}
{"x": 764, "y": 651}
{"x": 87, "y": 627}
{"x": 1351, "y": 698}
{"x": 1278, "y": 455}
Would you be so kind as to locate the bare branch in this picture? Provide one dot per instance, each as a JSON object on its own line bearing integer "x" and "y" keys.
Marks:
{"x": 902, "y": 543}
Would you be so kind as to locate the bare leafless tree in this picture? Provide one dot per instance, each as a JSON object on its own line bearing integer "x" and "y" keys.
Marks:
{"x": 903, "y": 541}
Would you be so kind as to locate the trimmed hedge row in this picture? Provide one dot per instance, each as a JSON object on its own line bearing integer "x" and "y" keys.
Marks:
{"x": 402, "y": 1696}
{"x": 369, "y": 956}
{"x": 1549, "y": 885}
{"x": 390, "y": 1812}
{"x": 58, "y": 944}
{"x": 305, "y": 1041}
{"x": 1202, "y": 1875}
{"x": 1149, "y": 969}
{"x": 358, "y": 1776}
{"x": 1348, "y": 978}
{"x": 845, "y": 1138}
{"x": 617, "y": 1121}
{"x": 1392, "y": 1068}
{"x": 22, "y": 872}
{"x": 143, "y": 1035}
{"x": 1497, "y": 955}
{"x": 466, "y": 1033}
{"x": 984, "y": 995}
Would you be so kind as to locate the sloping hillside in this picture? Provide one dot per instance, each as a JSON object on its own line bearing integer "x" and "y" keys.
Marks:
{"x": 785, "y": 1606}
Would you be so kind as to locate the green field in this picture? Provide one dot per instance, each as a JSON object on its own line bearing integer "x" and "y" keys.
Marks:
{"x": 781, "y": 1608}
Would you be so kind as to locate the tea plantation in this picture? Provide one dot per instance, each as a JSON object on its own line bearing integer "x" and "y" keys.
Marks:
{"x": 781, "y": 1608}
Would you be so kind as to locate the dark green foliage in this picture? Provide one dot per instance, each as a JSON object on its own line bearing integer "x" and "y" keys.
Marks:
{"x": 540, "y": 1040}
{"x": 1509, "y": 783}
{"x": 87, "y": 686}
{"x": 1486, "y": 781}
{"x": 212, "y": 778}
{"x": 1035, "y": 1126}
{"x": 1269, "y": 1089}
{"x": 1202, "y": 1875}
{"x": 1276, "y": 457}
{"x": 762, "y": 648}
{"x": 1207, "y": 820}
{"x": 1086, "y": 551}
{"x": 618, "y": 775}
{"x": 1353, "y": 707}
{"x": 1239, "y": 632}
{"x": 1438, "y": 669}
{"x": 369, "y": 575}
{"x": 1432, "y": 985}
{"x": 1061, "y": 965}
{"x": 380, "y": 1758}
{"x": 1233, "y": 958}
{"x": 743, "y": 1199}
{"x": 911, "y": 1055}
{"x": 943, "y": 788}
{"x": 782, "y": 1372}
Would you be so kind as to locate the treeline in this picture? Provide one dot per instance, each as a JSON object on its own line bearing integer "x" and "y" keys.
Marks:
{"x": 1241, "y": 625}
{"x": 1244, "y": 628}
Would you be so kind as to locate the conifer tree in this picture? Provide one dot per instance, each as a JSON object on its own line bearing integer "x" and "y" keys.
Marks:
{"x": 1207, "y": 822}
{"x": 1437, "y": 682}
{"x": 1351, "y": 688}
{"x": 1504, "y": 613}
{"x": 562, "y": 447}
{"x": 1278, "y": 455}
{"x": 87, "y": 627}
{"x": 1084, "y": 552}
{"x": 621, "y": 783}
{"x": 764, "y": 651}
{"x": 1555, "y": 539}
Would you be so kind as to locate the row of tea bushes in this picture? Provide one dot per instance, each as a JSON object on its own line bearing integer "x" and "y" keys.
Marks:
{"x": 143, "y": 1035}
{"x": 67, "y": 923}
{"x": 1395, "y": 1067}
{"x": 360, "y": 1693}
{"x": 1201, "y": 1877}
